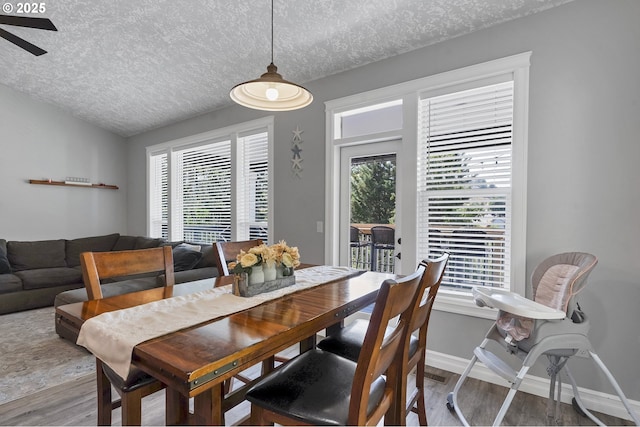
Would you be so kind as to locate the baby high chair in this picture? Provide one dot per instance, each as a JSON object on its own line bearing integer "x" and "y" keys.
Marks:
{"x": 552, "y": 325}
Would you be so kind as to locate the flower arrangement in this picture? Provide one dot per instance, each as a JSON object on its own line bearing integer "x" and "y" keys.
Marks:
{"x": 286, "y": 256}
{"x": 279, "y": 255}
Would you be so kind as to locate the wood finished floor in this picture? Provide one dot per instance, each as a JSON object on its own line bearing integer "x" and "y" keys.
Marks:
{"x": 74, "y": 404}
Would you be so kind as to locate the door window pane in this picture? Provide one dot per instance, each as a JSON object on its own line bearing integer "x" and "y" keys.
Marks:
{"x": 373, "y": 210}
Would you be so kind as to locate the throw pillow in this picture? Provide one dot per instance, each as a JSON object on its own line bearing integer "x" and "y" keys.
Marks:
{"x": 185, "y": 258}
{"x": 5, "y": 267}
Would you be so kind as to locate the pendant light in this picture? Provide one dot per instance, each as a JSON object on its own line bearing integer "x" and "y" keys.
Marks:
{"x": 271, "y": 92}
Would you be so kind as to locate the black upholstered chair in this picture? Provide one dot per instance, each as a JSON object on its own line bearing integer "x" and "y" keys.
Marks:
{"x": 321, "y": 388}
{"x": 349, "y": 341}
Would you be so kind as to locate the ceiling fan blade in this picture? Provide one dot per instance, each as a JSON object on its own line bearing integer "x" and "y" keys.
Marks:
{"x": 25, "y": 21}
{"x": 22, "y": 43}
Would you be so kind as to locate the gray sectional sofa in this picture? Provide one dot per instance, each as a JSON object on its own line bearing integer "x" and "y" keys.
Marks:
{"x": 39, "y": 273}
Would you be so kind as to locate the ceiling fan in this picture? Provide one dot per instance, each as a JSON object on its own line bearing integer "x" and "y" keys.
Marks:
{"x": 24, "y": 21}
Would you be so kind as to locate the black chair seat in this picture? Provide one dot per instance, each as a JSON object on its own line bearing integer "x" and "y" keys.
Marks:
{"x": 348, "y": 341}
{"x": 313, "y": 388}
{"x": 136, "y": 378}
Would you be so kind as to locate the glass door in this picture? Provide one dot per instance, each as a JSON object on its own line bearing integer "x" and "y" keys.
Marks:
{"x": 369, "y": 228}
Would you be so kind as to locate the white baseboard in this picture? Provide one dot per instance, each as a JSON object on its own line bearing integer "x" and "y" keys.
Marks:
{"x": 605, "y": 403}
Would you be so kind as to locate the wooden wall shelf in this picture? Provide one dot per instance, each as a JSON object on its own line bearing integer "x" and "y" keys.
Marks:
{"x": 47, "y": 182}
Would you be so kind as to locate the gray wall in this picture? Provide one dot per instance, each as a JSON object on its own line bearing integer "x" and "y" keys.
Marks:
{"x": 583, "y": 154}
{"x": 39, "y": 141}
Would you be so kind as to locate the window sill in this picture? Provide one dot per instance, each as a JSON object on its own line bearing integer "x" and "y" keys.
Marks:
{"x": 462, "y": 303}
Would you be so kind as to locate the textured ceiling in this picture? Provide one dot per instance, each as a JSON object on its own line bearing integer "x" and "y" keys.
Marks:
{"x": 131, "y": 66}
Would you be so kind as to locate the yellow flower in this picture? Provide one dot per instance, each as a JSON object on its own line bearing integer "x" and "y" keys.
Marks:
{"x": 232, "y": 265}
{"x": 295, "y": 255}
{"x": 287, "y": 260}
{"x": 248, "y": 259}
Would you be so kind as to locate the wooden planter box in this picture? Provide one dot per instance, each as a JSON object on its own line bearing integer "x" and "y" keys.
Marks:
{"x": 241, "y": 286}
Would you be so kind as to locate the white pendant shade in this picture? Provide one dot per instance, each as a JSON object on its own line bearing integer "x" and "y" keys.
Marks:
{"x": 271, "y": 93}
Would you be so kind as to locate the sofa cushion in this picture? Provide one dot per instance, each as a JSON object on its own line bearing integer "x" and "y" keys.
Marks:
{"x": 89, "y": 244}
{"x": 127, "y": 243}
{"x": 5, "y": 267}
{"x": 38, "y": 254}
{"x": 124, "y": 243}
{"x": 10, "y": 283}
{"x": 185, "y": 257}
{"x": 147, "y": 242}
{"x": 49, "y": 277}
{"x": 207, "y": 260}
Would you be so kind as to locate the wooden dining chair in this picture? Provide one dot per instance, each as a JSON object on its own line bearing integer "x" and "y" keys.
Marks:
{"x": 226, "y": 252}
{"x": 97, "y": 266}
{"x": 321, "y": 388}
{"x": 348, "y": 342}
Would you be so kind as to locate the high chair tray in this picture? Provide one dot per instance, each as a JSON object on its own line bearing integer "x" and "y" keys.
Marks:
{"x": 514, "y": 304}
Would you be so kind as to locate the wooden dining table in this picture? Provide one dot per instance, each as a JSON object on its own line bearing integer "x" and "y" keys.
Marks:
{"x": 195, "y": 362}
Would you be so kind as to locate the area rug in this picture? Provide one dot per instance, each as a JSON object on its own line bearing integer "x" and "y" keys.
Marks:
{"x": 33, "y": 357}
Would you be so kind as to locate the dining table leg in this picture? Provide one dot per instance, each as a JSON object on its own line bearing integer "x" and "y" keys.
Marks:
{"x": 177, "y": 407}
{"x": 207, "y": 406}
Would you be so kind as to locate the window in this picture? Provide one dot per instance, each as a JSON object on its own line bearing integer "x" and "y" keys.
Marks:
{"x": 158, "y": 196}
{"x": 202, "y": 202}
{"x": 369, "y": 120}
{"x": 463, "y": 167}
{"x": 213, "y": 186}
{"x": 464, "y": 183}
{"x": 253, "y": 189}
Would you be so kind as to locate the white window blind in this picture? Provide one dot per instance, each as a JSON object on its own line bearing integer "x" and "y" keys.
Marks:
{"x": 213, "y": 186}
{"x": 253, "y": 188}
{"x": 159, "y": 196}
{"x": 464, "y": 183}
{"x": 202, "y": 203}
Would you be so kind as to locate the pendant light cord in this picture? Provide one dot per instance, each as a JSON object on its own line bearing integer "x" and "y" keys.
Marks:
{"x": 272, "y": 31}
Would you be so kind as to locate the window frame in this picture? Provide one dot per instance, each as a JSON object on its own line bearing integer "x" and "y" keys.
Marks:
{"x": 517, "y": 68}
{"x": 234, "y": 133}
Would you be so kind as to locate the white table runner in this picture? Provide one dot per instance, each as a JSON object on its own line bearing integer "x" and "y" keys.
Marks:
{"x": 112, "y": 336}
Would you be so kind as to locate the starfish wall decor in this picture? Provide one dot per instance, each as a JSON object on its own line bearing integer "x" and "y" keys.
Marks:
{"x": 296, "y": 148}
